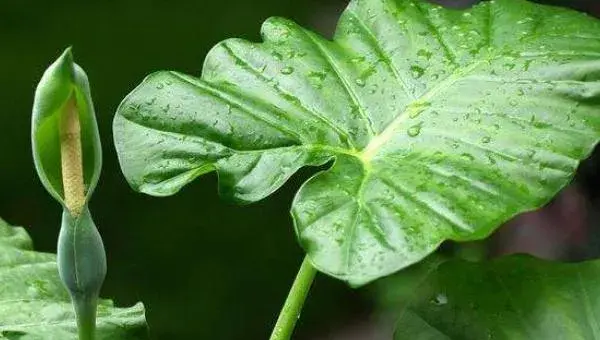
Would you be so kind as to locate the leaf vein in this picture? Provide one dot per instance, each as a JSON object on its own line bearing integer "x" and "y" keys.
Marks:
{"x": 215, "y": 91}
{"x": 512, "y": 304}
{"x": 380, "y": 52}
{"x": 450, "y": 53}
{"x": 341, "y": 133}
{"x": 377, "y": 230}
{"x": 457, "y": 223}
{"x": 326, "y": 55}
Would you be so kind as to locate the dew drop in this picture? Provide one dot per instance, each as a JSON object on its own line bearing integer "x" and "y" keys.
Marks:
{"x": 357, "y": 60}
{"x": 287, "y": 70}
{"x": 277, "y": 55}
{"x": 414, "y": 130}
{"x": 424, "y": 53}
{"x": 319, "y": 76}
{"x": 486, "y": 139}
{"x": 440, "y": 299}
{"x": 467, "y": 157}
{"x": 417, "y": 71}
{"x": 360, "y": 82}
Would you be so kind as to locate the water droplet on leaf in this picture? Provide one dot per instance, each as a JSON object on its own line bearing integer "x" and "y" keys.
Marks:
{"x": 440, "y": 299}
{"x": 417, "y": 71}
{"x": 467, "y": 157}
{"x": 414, "y": 130}
{"x": 287, "y": 70}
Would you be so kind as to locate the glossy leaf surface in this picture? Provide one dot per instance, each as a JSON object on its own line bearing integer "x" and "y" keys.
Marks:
{"x": 442, "y": 124}
{"x": 516, "y": 297}
{"x": 34, "y": 305}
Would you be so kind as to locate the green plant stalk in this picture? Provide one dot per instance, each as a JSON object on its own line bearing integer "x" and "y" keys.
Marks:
{"x": 295, "y": 300}
{"x": 86, "y": 316}
{"x": 74, "y": 193}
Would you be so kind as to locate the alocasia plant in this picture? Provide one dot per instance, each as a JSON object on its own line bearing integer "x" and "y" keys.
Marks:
{"x": 34, "y": 304}
{"x": 441, "y": 124}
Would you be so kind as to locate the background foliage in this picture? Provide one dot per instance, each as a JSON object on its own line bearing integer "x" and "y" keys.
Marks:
{"x": 180, "y": 255}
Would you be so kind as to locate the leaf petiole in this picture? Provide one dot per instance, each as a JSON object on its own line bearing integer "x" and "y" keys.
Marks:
{"x": 295, "y": 300}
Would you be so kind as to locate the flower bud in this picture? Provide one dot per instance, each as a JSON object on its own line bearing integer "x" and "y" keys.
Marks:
{"x": 67, "y": 157}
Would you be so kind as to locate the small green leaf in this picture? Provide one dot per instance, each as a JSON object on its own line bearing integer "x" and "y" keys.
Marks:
{"x": 63, "y": 81}
{"x": 442, "y": 124}
{"x": 511, "y": 298}
{"x": 34, "y": 304}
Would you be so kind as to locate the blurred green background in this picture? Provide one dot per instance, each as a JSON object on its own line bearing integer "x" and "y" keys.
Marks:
{"x": 205, "y": 269}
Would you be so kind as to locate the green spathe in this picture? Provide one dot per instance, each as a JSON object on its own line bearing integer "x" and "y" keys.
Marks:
{"x": 442, "y": 124}
{"x": 62, "y": 80}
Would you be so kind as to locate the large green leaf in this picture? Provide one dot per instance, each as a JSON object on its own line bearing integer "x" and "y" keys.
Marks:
{"x": 442, "y": 124}
{"x": 35, "y": 305}
{"x": 512, "y": 298}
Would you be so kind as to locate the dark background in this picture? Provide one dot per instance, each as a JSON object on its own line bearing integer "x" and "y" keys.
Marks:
{"x": 205, "y": 269}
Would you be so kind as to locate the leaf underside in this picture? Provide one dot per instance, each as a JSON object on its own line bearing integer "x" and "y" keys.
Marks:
{"x": 34, "y": 305}
{"x": 512, "y": 298}
{"x": 442, "y": 124}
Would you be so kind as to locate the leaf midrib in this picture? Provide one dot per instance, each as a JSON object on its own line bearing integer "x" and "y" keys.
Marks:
{"x": 366, "y": 154}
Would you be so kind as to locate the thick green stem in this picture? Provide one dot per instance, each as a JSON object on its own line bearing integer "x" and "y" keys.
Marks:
{"x": 293, "y": 304}
{"x": 85, "y": 309}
